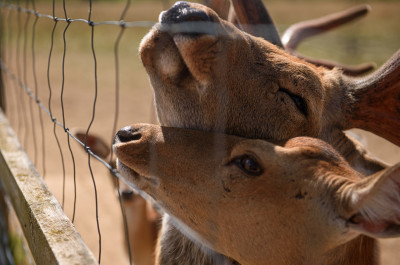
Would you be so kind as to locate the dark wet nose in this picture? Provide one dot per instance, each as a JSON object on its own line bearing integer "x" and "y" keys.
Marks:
{"x": 182, "y": 12}
{"x": 128, "y": 134}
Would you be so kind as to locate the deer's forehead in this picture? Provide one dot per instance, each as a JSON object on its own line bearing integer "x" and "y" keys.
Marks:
{"x": 285, "y": 69}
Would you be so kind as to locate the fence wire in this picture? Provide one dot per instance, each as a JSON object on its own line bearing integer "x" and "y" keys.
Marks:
{"x": 18, "y": 83}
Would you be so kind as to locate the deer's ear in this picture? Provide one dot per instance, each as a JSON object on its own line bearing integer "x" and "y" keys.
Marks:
{"x": 376, "y": 201}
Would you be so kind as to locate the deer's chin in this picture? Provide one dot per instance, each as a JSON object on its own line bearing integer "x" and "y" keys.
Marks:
{"x": 133, "y": 177}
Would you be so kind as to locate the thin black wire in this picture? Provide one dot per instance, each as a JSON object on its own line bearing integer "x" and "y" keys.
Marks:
{"x": 28, "y": 91}
{"x": 63, "y": 114}
{"x": 116, "y": 115}
{"x": 42, "y": 131}
{"x": 90, "y": 125}
{"x": 92, "y": 24}
{"x": 133, "y": 24}
{"x": 62, "y": 103}
{"x": 49, "y": 103}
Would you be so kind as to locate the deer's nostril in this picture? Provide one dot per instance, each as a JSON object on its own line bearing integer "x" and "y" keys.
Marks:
{"x": 128, "y": 134}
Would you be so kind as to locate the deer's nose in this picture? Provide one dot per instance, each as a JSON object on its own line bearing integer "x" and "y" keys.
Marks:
{"x": 128, "y": 134}
{"x": 182, "y": 12}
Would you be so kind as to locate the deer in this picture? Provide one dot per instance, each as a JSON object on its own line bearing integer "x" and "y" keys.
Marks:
{"x": 209, "y": 75}
{"x": 298, "y": 202}
{"x": 142, "y": 219}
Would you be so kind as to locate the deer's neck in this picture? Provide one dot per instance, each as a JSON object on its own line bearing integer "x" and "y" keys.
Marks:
{"x": 174, "y": 248}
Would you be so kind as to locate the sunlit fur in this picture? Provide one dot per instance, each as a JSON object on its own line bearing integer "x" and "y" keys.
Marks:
{"x": 306, "y": 206}
{"x": 230, "y": 82}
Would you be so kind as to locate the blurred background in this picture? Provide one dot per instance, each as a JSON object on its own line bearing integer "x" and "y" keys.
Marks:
{"x": 373, "y": 38}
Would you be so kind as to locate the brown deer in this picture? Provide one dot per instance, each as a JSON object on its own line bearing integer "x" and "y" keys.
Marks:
{"x": 209, "y": 75}
{"x": 260, "y": 203}
{"x": 142, "y": 220}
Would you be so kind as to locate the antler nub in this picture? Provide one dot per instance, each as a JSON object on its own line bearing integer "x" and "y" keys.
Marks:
{"x": 254, "y": 18}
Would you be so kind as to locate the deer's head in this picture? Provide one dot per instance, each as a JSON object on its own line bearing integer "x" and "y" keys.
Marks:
{"x": 209, "y": 75}
{"x": 257, "y": 202}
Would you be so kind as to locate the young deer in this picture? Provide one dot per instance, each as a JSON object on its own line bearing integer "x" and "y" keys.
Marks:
{"x": 142, "y": 220}
{"x": 209, "y": 75}
{"x": 260, "y": 203}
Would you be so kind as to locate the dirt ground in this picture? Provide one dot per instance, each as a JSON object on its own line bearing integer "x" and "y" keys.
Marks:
{"x": 136, "y": 105}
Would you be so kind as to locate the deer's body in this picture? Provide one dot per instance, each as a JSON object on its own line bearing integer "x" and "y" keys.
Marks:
{"x": 209, "y": 75}
{"x": 260, "y": 203}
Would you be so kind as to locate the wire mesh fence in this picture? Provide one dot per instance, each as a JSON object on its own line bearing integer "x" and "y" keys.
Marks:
{"x": 50, "y": 60}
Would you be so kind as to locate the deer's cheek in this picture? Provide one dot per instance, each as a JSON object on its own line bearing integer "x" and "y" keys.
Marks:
{"x": 237, "y": 185}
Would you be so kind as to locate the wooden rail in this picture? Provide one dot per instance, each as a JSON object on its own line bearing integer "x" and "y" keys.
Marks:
{"x": 51, "y": 237}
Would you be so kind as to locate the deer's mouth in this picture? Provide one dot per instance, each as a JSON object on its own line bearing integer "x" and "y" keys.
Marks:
{"x": 135, "y": 179}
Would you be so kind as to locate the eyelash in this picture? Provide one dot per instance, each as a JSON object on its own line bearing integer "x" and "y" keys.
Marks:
{"x": 297, "y": 100}
{"x": 240, "y": 162}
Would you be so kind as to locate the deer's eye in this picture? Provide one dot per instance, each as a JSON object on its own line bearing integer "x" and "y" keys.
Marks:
{"x": 297, "y": 100}
{"x": 249, "y": 165}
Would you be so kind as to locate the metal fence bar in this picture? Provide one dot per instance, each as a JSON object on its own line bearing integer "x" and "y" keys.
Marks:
{"x": 51, "y": 236}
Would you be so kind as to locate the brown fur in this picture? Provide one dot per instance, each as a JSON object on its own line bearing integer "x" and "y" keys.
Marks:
{"x": 306, "y": 206}
{"x": 229, "y": 81}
